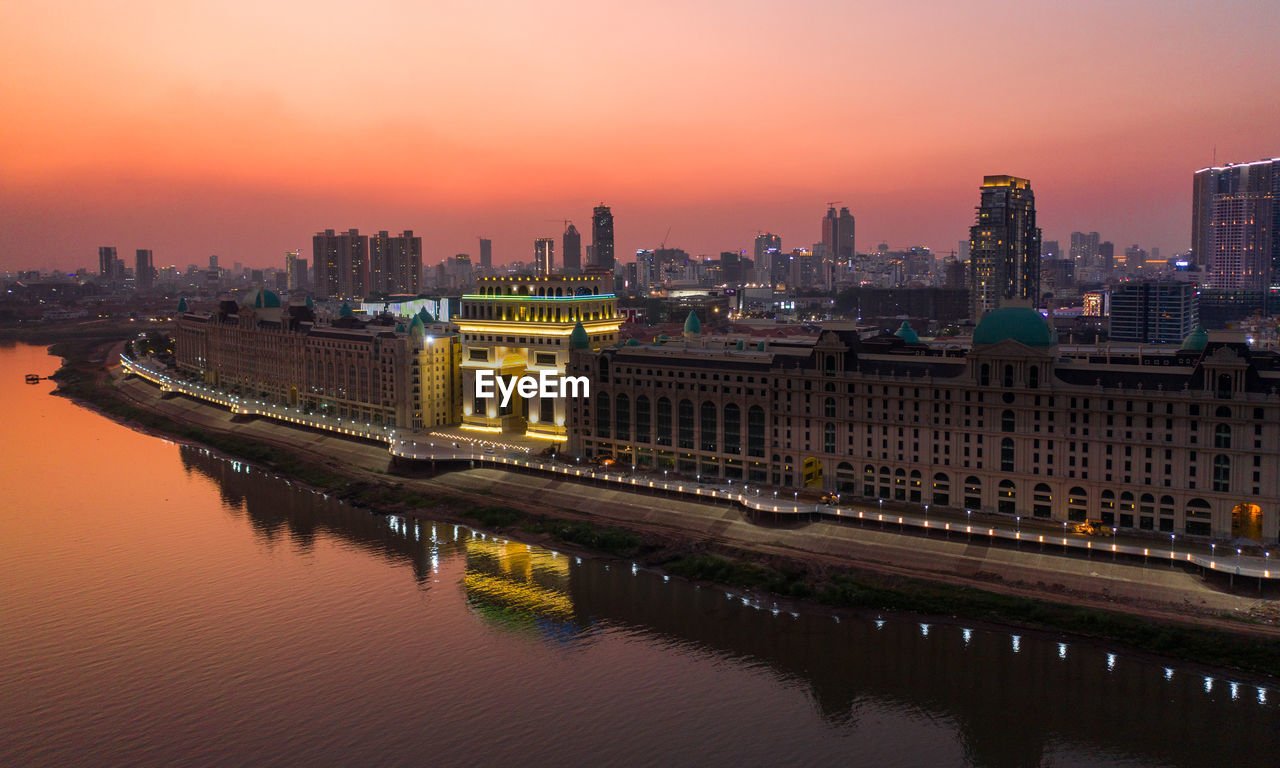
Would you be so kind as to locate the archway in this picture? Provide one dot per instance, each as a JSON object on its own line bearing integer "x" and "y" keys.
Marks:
{"x": 1246, "y": 521}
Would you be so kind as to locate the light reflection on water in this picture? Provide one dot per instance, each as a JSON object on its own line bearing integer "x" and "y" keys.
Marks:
{"x": 164, "y": 604}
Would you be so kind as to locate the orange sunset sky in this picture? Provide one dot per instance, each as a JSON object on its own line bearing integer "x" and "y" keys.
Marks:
{"x": 240, "y": 128}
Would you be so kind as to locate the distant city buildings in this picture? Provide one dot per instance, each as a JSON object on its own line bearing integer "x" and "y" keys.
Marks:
{"x": 771, "y": 263}
{"x": 107, "y": 261}
{"x": 486, "y": 254}
{"x": 1153, "y": 311}
{"x": 340, "y": 261}
{"x": 295, "y": 268}
{"x": 838, "y": 232}
{"x": 544, "y": 255}
{"x": 1004, "y": 246}
{"x": 602, "y": 238}
{"x": 571, "y": 250}
{"x": 144, "y": 271}
{"x": 1234, "y": 222}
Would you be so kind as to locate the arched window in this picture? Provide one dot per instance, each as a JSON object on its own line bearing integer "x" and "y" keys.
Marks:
{"x": 1222, "y": 436}
{"x": 1126, "y": 510}
{"x": 869, "y": 481}
{"x": 1224, "y": 385}
{"x": 972, "y": 493}
{"x": 1108, "y": 506}
{"x": 1222, "y": 473}
{"x": 1008, "y": 376}
{"x": 1167, "y": 511}
{"x": 984, "y": 375}
{"x": 732, "y": 429}
{"x": 602, "y": 414}
{"x": 707, "y": 426}
{"x": 1006, "y": 421}
{"x": 685, "y": 424}
{"x": 913, "y": 487}
{"x": 622, "y": 416}
{"x": 664, "y": 422}
{"x": 604, "y": 370}
{"x": 755, "y": 431}
{"x": 1033, "y": 377}
{"x": 846, "y": 478}
{"x": 1006, "y": 454}
{"x": 1223, "y": 412}
{"x": 829, "y": 407}
{"x": 829, "y": 438}
{"x": 1042, "y": 501}
{"x": 1077, "y": 505}
{"x": 941, "y": 490}
{"x": 642, "y": 419}
{"x": 1199, "y": 518}
{"x": 1007, "y": 497}
{"x": 900, "y": 485}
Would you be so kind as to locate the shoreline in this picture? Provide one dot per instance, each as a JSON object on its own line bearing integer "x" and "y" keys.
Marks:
{"x": 809, "y": 578}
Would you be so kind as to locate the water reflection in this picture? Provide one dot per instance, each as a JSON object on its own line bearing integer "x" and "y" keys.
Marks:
{"x": 1012, "y": 699}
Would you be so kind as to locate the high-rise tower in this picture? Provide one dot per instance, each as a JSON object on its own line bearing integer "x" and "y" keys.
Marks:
{"x": 571, "y": 250}
{"x": 838, "y": 235}
{"x": 1004, "y": 246}
{"x": 544, "y": 255}
{"x": 341, "y": 264}
{"x": 1234, "y": 221}
{"x": 144, "y": 272}
{"x": 602, "y": 237}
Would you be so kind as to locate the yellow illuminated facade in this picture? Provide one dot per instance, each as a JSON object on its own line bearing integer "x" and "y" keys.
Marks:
{"x": 520, "y": 326}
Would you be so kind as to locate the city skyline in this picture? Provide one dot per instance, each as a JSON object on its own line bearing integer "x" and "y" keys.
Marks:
{"x": 141, "y": 127}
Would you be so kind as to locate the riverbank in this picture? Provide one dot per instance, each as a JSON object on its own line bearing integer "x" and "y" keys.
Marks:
{"x": 707, "y": 543}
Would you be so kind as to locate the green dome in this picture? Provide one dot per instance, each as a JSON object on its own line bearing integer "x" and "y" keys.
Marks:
{"x": 663, "y": 337}
{"x": 345, "y": 310}
{"x": 310, "y": 304}
{"x": 907, "y": 333}
{"x": 400, "y": 328}
{"x": 182, "y": 305}
{"x": 416, "y": 327}
{"x": 1196, "y": 341}
{"x": 760, "y": 346}
{"x": 425, "y": 316}
{"x": 262, "y": 298}
{"x": 579, "y": 339}
{"x": 632, "y": 343}
{"x": 742, "y": 344}
{"x": 692, "y": 326}
{"x": 1021, "y": 324}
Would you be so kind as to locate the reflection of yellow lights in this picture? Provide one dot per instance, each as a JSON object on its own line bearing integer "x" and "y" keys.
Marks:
{"x": 480, "y": 428}
{"x": 546, "y": 436}
{"x": 527, "y": 597}
{"x": 539, "y": 329}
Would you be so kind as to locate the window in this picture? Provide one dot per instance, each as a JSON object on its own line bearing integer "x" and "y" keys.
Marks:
{"x": 1006, "y": 454}
{"x": 941, "y": 490}
{"x": 664, "y": 421}
{"x": 1222, "y": 436}
{"x": 708, "y": 426}
{"x": 984, "y": 375}
{"x": 1221, "y": 473}
{"x": 829, "y": 408}
{"x": 1033, "y": 377}
{"x": 1007, "y": 497}
{"x": 972, "y": 493}
{"x": 622, "y": 412}
{"x": 1006, "y": 421}
{"x": 1042, "y": 501}
{"x": 642, "y": 419}
{"x": 732, "y": 429}
{"x": 602, "y": 414}
{"x": 829, "y": 438}
{"x": 1008, "y": 376}
{"x": 755, "y": 431}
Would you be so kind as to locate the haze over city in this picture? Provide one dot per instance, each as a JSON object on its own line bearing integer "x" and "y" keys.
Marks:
{"x": 242, "y": 128}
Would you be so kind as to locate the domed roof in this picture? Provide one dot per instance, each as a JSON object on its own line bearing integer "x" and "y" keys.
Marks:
{"x": 907, "y": 333}
{"x": 1196, "y": 341}
{"x": 182, "y": 305}
{"x": 345, "y": 310}
{"x": 416, "y": 327}
{"x": 692, "y": 325}
{"x": 578, "y": 338}
{"x": 742, "y": 344}
{"x": 310, "y": 304}
{"x": 632, "y": 343}
{"x": 261, "y": 298}
{"x": 425, "y": 315}
{"x": 1021, "y": 324}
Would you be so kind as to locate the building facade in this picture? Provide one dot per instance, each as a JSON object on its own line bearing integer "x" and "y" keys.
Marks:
{"x": 526, "y": 325}
{"x": 144, "y": 270}
{"x": 390, "y": 373}
{"x": 544, "y": 255}
{"x": 602, "y": 238}
{"x": 571, "y": 252}
{"x": 1235, "y": 214}
{"x": 1184, "y": 443}
{"x": 1151, "y": 311}
{"x": 1004, "y": 246}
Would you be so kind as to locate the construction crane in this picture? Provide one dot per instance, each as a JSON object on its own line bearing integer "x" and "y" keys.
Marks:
{"x": 832, "y": 203}
{"x": 565, "y": 222}
{"x": 663, "y": 244}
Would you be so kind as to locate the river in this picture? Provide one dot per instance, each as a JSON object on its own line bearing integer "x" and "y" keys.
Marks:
{"x": 162, "y": 605}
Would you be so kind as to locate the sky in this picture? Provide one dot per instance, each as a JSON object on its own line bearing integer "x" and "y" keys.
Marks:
{"x": 241, "y": 128}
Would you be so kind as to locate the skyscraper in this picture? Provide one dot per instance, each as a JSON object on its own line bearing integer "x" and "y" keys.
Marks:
{"x": 107, "y": 261}
{"x": 144, "y": 273}
{"x": 341, "y": 264}
{"x": 571, "y": 250}
{"x": 291, "y": 269}
{"x": 544, "y": 255}
{"x": 1004, "y": 246}
{"x": 770, "y": 262}
{"x": 379, "y": 256}
{"x": 602, "y": 237}
{"x": 1151, "y": 311}
{"x": 486, "y": 253}
{"x": 838, "y": 235}
{"x": 1234, "y": 221}
{"x": 395, "y": 263}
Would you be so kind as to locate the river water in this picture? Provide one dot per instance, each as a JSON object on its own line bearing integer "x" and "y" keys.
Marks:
{"x": 161, "y": 605}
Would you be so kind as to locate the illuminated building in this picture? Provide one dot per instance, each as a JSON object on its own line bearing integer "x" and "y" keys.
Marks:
{"x": 340, "y": 262}
{"x": 1004, "y": 246}
{"x": 395, "y": 263}
{"x": 1151, "y": 311}
{"x": 521, "y": 325}
{"x": 392, "y": 372}
{"x": 1235, "y": 214}
{"x": 544, "y": 255}
{"x": 1185, "y": 441}
{"x": 1097, "y": 303}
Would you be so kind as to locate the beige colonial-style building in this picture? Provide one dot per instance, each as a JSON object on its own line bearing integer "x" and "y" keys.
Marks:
{"x": 523, "y": 325}
{"x": 385, "y": 371}
{"x": 1183, "y": 442}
